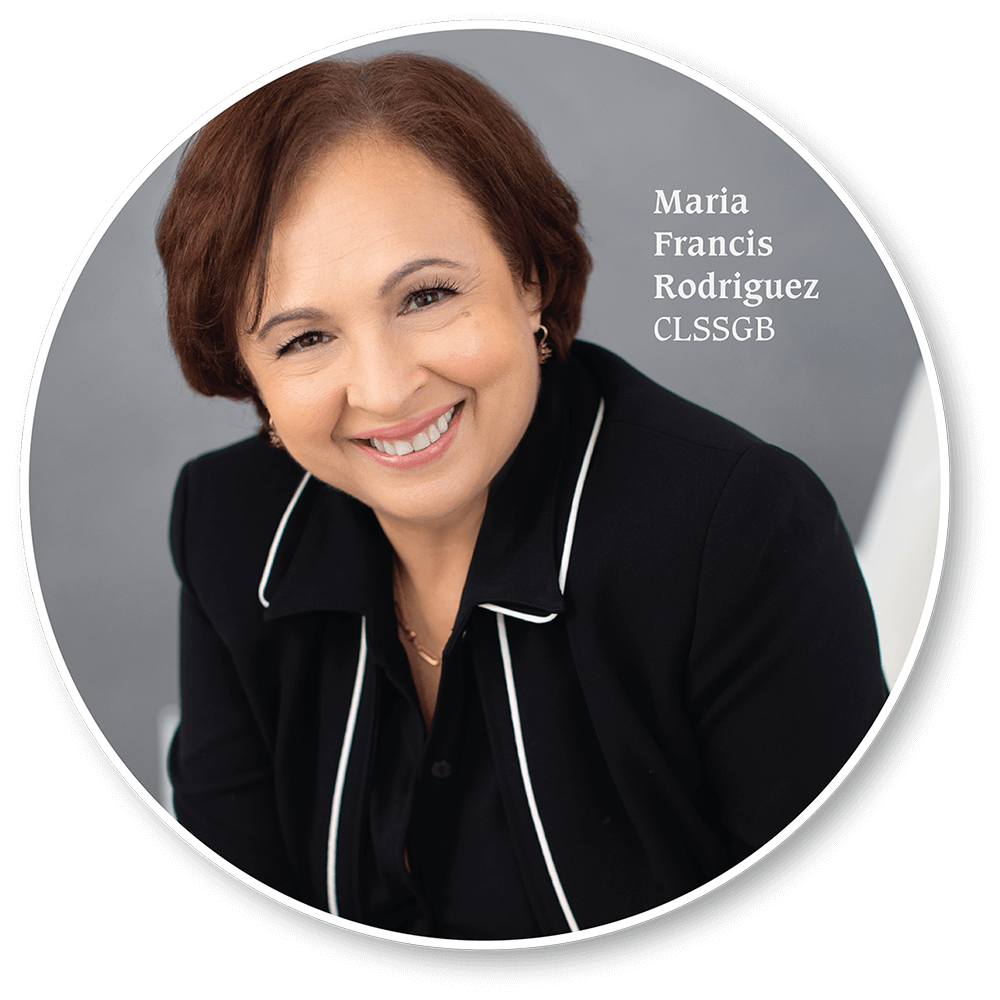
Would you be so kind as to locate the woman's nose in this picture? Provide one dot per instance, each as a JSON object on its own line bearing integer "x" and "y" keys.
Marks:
{"x": 383, "y": 376}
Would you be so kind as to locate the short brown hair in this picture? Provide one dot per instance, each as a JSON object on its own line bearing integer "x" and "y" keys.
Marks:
{"x": 214, "y": 233}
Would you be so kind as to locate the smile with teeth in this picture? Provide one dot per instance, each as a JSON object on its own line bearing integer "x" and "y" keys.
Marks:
{"x": 418, "y": 442}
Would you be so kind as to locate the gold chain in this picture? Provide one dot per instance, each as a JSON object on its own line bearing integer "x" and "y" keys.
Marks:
{"x": 422, "y": 651}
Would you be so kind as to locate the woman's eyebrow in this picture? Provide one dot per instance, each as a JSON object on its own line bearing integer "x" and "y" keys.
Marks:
{"x": 414, "y": 265}
{"x": 288, "y": 317}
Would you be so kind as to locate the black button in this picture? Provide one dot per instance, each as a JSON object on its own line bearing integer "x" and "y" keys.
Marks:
{"x": 441, "y": 769}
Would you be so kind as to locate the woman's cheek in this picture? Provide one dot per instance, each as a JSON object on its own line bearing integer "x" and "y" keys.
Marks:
{"x": 485, "y": 353}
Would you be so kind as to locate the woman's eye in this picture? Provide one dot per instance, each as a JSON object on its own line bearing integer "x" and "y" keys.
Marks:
{"x": 423, "y": 298}
{"x": 304, "y": 341}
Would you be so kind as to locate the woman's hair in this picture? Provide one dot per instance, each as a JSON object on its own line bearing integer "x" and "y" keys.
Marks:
{"x": 240, "y": 170}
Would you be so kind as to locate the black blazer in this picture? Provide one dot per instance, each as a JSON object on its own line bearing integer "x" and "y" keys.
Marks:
{"x": 674, "y": 645}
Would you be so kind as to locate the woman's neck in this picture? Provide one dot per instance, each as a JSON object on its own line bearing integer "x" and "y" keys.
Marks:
{"x": 439, "y": 550}
{"x": 432, "y": 562}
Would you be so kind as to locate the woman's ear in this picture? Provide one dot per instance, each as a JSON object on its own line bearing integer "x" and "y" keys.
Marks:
{"x": 531, "y": 299}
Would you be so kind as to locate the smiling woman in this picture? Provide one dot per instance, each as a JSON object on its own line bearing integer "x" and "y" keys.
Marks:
{"x": 498, "y": 638}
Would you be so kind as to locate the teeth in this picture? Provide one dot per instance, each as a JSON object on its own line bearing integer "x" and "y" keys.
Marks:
{"x": 420, "y": 441}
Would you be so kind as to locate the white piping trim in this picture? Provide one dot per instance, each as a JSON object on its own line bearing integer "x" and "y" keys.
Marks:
{"x": 276, "y": 541}
{"x": 571, "y": 527}
{"x": 338, "y": 788}
{"x": 523, "y": 615}
{"x": 508, "y": 671}
{"x": 515, "y": 718}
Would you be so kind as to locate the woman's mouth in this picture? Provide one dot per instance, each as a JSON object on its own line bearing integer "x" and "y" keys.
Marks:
{"x": 429, "y": 441}
{"x": 421, "y": 440}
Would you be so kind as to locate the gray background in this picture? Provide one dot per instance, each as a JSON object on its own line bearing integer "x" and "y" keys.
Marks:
{"x": 114, "y": 422}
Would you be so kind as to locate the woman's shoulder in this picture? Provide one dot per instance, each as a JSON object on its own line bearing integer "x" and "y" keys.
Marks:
{"x": 635, "y": 401}
{"x": 661, "y": 446}
{"x": 248, "y": 461}
{"x": 687, "y": 506}
{"x": 227, "y": 503}
{"x": 240, "y": 484}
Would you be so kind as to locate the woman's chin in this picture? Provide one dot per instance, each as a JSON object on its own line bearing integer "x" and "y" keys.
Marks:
{"x": 428, "y": 509}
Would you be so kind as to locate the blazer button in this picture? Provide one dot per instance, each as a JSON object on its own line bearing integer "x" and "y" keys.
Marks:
{"x": 441, "y": 769}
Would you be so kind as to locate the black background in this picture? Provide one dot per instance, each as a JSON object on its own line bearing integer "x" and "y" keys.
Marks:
{"x": 885, "y": 874}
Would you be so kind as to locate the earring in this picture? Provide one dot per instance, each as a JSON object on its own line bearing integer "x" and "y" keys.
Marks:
{"x": 272, "y": 436}
{"x": 544, "y": 351}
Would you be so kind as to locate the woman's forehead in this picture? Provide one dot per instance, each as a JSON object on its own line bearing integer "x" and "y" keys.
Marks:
{"x": 368, "y": 211}
{"x": 368, "y": 170}
{"x": 366, "y": 202}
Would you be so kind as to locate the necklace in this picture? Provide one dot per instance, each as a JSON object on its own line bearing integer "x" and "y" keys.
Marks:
{"x": 422, "y": 651}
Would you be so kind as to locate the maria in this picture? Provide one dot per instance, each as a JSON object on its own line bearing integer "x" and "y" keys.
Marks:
{"x": 697, "y": 204}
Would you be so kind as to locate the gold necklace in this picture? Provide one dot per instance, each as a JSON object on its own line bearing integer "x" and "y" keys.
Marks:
{"x": 422, "y": 651}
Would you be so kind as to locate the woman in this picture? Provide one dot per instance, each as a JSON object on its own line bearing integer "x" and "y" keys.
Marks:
{"x": 497, "y": 638}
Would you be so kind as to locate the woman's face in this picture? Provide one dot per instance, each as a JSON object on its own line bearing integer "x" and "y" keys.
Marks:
{"x": 395, "y": 352}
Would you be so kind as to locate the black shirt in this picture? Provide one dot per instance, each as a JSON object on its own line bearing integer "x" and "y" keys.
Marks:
{"x": 437, "y": 795}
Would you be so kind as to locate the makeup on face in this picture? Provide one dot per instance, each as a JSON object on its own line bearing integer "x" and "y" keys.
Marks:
{"x": 396, "y": 353}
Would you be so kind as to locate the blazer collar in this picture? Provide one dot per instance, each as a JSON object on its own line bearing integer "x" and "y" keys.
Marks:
{"x": 334, "y": 556}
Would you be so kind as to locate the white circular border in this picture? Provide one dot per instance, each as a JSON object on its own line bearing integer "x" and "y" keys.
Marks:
{"x": 943, "y": 519}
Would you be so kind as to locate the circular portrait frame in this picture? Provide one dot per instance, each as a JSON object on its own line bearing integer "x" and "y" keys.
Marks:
{"x": 629, "y": 267}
